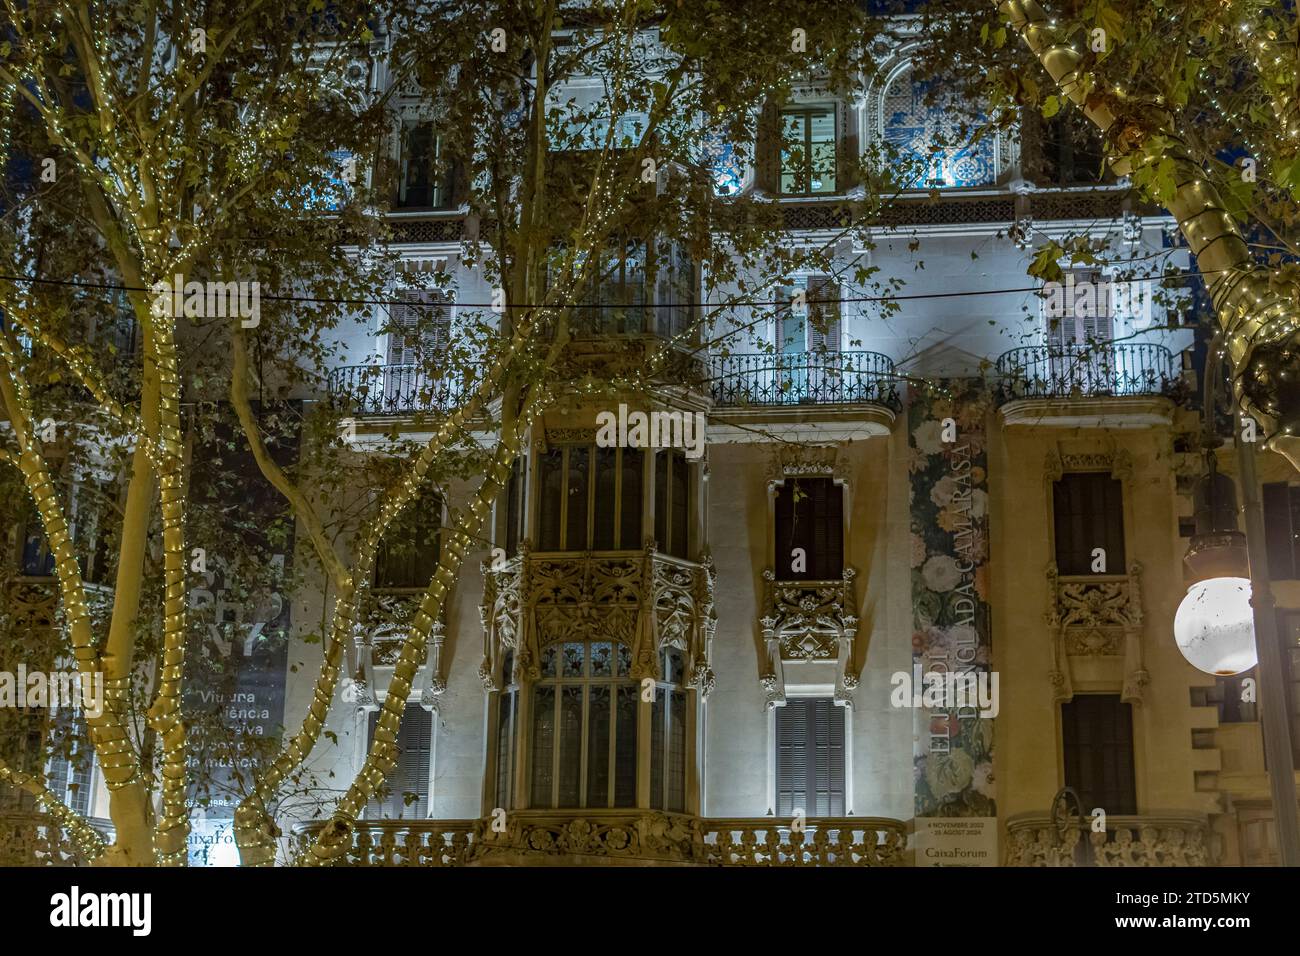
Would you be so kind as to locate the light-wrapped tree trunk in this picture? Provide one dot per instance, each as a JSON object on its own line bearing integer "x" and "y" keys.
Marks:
{"x": 1261, "y": 326}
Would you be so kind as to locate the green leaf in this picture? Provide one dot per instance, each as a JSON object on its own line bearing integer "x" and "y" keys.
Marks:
{"x": 1051, "y": 106}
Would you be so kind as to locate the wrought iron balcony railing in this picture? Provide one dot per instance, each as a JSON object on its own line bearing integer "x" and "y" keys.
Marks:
{"x": 1086, "y": 371}
{"x": 399, "y": 389}
{"x": 629, "y": 836}
{"x": 814, "y": 378}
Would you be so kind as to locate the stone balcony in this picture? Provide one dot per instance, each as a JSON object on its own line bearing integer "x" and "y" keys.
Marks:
{"x": 1169, "y": 838}
{"x": 621, "y": 838}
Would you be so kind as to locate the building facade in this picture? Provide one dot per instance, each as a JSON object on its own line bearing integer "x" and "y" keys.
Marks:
{"x": 663, "y": 657}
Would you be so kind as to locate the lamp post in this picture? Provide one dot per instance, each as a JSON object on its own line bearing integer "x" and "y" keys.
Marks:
{"x": 1212, "y": 627}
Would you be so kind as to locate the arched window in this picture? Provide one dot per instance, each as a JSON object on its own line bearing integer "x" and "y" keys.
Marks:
{"x": 933, "y": 132}
{"x": 584, "y": 733}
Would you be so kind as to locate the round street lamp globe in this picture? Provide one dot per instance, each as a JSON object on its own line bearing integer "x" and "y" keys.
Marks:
{"x": 1215, "y": 627}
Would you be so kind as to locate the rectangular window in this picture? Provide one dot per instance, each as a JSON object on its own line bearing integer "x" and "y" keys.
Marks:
{"x": 810, "y": 530}
{"x": 419, "y": 327}
{"x": 590, "y": 498}
{"x": 406, "y": 795}
{"x": 1282, "y": 530}
{"x": 615, "y": 300}
{"x": 409, "y": 552}
{"x": 1097, "y": 739}
{"x": 506, "y": 750}
{"x": 672, "y": 503}
{"x": 810, "y": 757}
{"x": 426, "y": 175}
{"x": 808, "y": 151}
{"x": 1088, "y": 513}
{"x": 515, "y": 507}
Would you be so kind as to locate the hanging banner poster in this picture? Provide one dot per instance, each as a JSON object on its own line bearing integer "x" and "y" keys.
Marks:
{"x": 241, "y": 539}
{"x": 951, "y": 688}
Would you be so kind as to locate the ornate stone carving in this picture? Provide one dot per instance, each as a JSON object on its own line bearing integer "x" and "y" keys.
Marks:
{"x": 789, "y": 460}
{"x": 1170, "y": 839}
{"x": 648, "y": 601}
{"x": 570, "y": 436}
{"x": 377, "y": 639}
{"x": 1098, "y": 615}
{"x": 808, "y": 621}
{"x": 629, "y": 836}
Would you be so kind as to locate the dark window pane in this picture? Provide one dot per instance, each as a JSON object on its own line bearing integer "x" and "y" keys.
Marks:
{"x": 543, "y": 756}
{"x": 598, "y": 747}
{"x": 514, "y": 506}
{"x": 1098, "y": 744}
{"x": 606, "y": 504}
{"x": 505, "y": 750}
{"x": 677, "y": 753}
{"x": 576, "y": 493}
{"x": 657, "y": 750}
{"x": 625, "y": 747}
{"x": 408, "y": 555}
{"x": 661, "y": 500}
{"x": 810, "y": 517}
{"x": 550, "y": 466}
{"x": 681, "y": 501}
{"x": 570, "y": 794}
{"x": 1279, "y": 530}
{"x": 1088, "y": 513}
{"x": 630, "y": 510}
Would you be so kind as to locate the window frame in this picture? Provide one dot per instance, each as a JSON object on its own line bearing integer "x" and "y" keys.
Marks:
{"x": 562, "y": 519}
{"x": 1090, "y": 799}
{"x": 442, "y": 188}
{"x": 365, "y": 734}
{"x": 803, "y": 692}
{"x": 1113, "y": 568}
{"x": 780, "y": 561}
{"x": 616, "y": 682}
{"x": 807, "y": 111}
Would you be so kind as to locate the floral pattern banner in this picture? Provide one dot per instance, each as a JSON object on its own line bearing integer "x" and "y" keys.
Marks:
{"x": 951, "y": 633}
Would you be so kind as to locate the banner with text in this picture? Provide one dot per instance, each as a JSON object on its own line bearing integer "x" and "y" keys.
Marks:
{"x": 952, "y": 690}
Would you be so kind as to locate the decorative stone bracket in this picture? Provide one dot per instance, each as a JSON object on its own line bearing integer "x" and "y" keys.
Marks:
{"x": 377, "y": 639}
{"x": 1096, "y": 616}
{"x": 808, "y": 621}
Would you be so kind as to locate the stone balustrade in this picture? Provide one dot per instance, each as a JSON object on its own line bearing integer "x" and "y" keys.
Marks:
{"x": 1172, "y": 838}
{"x": 621, "y": 837}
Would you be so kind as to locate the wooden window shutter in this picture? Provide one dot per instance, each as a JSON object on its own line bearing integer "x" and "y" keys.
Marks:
{"x": 810, "y": 762}
{"x": 411, "y": 774}
{"x": 791, "y": 756}
{"x": 1097, "y": 739}
{"x": 419, "y": 326}
{"x": 824, "y": 315}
